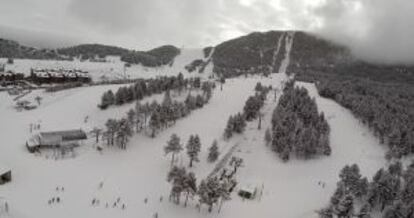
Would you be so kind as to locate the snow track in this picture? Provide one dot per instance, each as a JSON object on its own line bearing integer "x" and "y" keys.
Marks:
{"x": 276, "y": 53}
{"x": 288, "y": 43}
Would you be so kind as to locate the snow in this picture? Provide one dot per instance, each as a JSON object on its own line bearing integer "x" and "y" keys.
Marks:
{"x": 114, "y": 67}
{"x": 290, "y": 189}
{"x": 138, "y": 175}
{"x": 4, "y": 169}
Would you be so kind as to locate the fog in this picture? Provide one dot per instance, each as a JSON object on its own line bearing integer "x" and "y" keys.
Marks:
{"x": 375, "y": 30}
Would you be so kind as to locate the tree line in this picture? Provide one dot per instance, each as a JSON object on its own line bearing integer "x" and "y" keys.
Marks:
{"x": 297, "y": 127}
{"x": 147, "y": 87}
{"x": 389, "y": 194}
{"x": 212, "y": 190}
{"x": 153, "y": 58}
{"x": 387, "y": 109}
{"x": 152, "y": 117}
{"x": 251, "y": 110}
{"x": 174, "y": 147}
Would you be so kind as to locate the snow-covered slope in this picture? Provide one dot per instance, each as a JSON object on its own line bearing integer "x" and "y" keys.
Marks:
{"x": 290, "y": 189}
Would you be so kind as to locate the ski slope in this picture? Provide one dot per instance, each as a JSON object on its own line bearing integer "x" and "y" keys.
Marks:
{"x": 290, "y": 189}
{"x": 287, "y": 190}
{"x": 132, "y": 175}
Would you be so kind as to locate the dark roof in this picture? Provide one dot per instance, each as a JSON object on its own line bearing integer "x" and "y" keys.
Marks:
{"x": 66, "y": 135}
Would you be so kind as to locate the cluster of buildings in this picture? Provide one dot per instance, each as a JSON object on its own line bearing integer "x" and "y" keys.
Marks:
{"x": 45, "y": 76}
{"x": 59, "y": 76}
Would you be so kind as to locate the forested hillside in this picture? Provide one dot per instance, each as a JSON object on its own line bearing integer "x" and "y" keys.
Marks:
{"x": 87, "y": 51}
{"x": 251, "y": 53}
{"x": 381, "y": 96}
{"x": 156, "y": 57}
{"x": 12, "y": 49}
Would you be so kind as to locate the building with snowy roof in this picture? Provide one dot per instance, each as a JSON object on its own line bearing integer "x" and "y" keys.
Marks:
{"x": 5, "y": 175}
{"x": 57, "y": 139}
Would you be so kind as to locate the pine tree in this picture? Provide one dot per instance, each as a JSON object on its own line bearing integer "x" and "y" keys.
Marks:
{"x": 180, "y": 81}
{"x": 132, "y": 118}
{"x": 111, "y": 128}
{"x": 139, "y": 111}
{"x": 207, "y": 88}
{"x": 268, "y": 137}
{"x": 97, "y": 132}
{"x": 167, "y": 101}
{"x": 124, "y": 132}
{"x": 228, "y": 131}
{"x": 190, "y": 102}
{"x": 146, "y": 111}
{"x": 107, "y": 99}
{"x": 224, "y": 191}
{"x": 397, "y": 210}
{"x": 173, "y": 146}
{"x": 121, "y": 96}
{"x": 258, "y": 87}
{"x": 190, "y": 186}
{"x": 199, "y": 101}
{"x": 345, "y": 208}
{"x": 353, "y": 181}
{"x": 239, "y": 123}
{"x": 155, "y": 122}
{"x": 193, "y": 148}
{"x": 213, "y": 152}
{"x": 177, "y": 176}
{"x": 209, "y": 192}
{"x": 197, "y": 82}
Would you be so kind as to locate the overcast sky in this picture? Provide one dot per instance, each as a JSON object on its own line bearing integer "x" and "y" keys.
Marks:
{"x": 378, "y": 29}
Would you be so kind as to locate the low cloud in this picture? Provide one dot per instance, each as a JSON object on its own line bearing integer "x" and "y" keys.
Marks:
{"x": 375, "y": 30}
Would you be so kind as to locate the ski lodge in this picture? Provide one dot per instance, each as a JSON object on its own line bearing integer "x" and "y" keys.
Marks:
{"x": 5, "y": 175}
{"x": 67, "y": 139}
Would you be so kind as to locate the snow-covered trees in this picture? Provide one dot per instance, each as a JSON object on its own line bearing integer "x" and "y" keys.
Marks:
{"x": 97, "y": 132}
{"x": 390, "y": 193}
{"x": 123, "y": 133}
{"x": 211, "y": 190}
{"x": 387, "y": 109}
{"x": 213, "y": 152}
{"x": 268, "y": 137}
{"x": 190, "y": 186}
{"x": 142, "y": 88}
{"x": 207, "y": 88}
{"x": 118, "y": 131}
{"x": 193, "y": 148}
{"x": 108, "y": 98}
{"x": 251, "y": 110}
{"x": 173, "y": 146}
{"x": 254, "y": 103}
{"x": 177, "y": 177}
{"x": 152, "y": 117}
{"x": 235, "y": 124}
{"x": 353, "y": 181}
{"x": 297, "y": 126}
